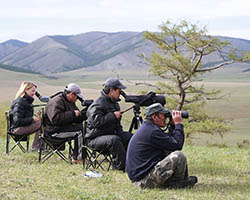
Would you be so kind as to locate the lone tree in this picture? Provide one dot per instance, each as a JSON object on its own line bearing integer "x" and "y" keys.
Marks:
{"x": 183, "y": 48}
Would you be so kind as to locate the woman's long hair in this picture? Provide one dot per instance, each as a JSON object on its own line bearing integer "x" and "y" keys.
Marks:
{"x": 26, "y": 85}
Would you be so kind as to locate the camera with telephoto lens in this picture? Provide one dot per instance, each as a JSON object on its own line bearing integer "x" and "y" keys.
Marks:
{"x": 42, "y": 98}
{"x": 87, "y": 102}
{"x": 144, "y": 100}
{"x": 184, "y": 114}
{"x": 37, "y": 94}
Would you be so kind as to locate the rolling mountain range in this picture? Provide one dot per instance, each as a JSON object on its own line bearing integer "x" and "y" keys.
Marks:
{"x": 96, "y": 50}
{"x": 11, "y": 46}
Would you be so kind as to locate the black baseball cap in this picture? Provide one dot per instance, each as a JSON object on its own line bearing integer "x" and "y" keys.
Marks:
{"x": 114, "y": 83}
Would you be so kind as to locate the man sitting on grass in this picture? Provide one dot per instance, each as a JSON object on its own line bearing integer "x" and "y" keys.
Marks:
{"x": 154, "y": 158}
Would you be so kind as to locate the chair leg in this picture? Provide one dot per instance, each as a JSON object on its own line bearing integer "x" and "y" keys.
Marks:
{"x": 28, "y": 141}
{"x": 55, "y": 147}
{"x": 110, "y": 161}
{"x": 18, "y": 143}
{"x": 52, "y": 152}
{"x": 20, "y": 146}
{"x": 99, "y": 164}
{"x": 40, "y": 149}
{"x": 70, "y": 152}
{"x": 95, "y": 160}
{"x": 7, "y": 143}
{"x": 90, "y": 159}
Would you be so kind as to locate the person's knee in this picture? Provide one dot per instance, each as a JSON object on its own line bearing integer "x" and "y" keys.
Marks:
{"x": 116, "y": 145}
{"x": 37, "y": 124}
{"x": 116, "y": 140}
{"x": 178, "y": 155}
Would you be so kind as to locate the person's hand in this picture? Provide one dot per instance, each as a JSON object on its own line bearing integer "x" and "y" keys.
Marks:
{"x": 77, "y": 113}
{"x": 35, "y": 119}
{"x": 176, "y": 117}
{"x": 118, "y": 114}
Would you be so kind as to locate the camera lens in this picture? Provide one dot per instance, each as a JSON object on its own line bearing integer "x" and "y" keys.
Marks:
{"x": 184, "y": 114}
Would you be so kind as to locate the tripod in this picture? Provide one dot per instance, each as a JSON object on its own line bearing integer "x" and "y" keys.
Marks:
{"x": 137, "y": 119}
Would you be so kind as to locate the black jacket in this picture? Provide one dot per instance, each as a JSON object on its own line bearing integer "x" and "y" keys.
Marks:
{"x": 101, "y": 118}
{"x": 60, "y": 116}
{"x": 149, "y": 145}
{"x": 21, "y": 112}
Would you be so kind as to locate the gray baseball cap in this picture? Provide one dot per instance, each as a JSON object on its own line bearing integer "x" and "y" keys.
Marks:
{"x": 156, "y": 108}
{"x": 73, "y": 87}
{"x": 114, "y": 83}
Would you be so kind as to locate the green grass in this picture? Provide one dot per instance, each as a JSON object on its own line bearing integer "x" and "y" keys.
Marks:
{"x": 223, "y": 173}
{"x": 222, "y": 167}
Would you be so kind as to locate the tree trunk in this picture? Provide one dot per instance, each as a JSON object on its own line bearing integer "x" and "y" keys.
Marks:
{"x": 181, "y": 97}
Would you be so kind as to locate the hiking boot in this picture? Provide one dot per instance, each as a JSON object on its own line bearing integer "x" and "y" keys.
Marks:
{"x": 190, "y": 182}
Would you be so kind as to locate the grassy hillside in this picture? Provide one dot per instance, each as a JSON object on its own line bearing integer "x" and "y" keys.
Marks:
{"x": 17, "y": 69}
{"x": 234, "y": 106}
{"x": 223, "y": 173}
{"x": 232, "y": 73}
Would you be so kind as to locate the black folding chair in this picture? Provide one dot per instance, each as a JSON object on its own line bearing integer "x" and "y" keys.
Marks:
{"x": 95, "y": 158}
{"x": 98, "y": 159}
{"x": 53, "y": 146}
{"x": 17, "y": 138}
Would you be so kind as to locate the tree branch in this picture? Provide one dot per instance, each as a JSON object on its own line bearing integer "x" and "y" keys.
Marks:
{"x": 197, "y": 63}
{"x": 148, "y": 84}
{"x": 215, "y": 67}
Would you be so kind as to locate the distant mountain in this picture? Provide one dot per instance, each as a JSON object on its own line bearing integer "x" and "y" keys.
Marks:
{"x": 64, "y": 53}
{"x": 96, "y": 50}
{"x": 11, "y": 46}
{"x": 241, "y": 44}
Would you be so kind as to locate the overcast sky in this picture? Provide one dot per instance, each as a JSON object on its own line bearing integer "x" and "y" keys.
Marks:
{"x": 28, "y": 20}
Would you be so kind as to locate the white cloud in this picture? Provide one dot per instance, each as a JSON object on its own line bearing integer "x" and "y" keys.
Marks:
{"x": 121, "y": 8}
{"x": 63, "y": 16}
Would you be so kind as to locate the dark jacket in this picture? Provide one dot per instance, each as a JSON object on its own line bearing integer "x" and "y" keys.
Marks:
{"x": 148, "y": 146}
{"x": 59, "y": 115}
{"x": 101, "y": 118}
{"x": 21, "y": 112}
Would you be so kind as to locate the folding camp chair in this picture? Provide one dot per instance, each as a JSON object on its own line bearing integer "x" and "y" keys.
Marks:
{"x": 98, "y": 159}
{"x": 95, "y": 158}
{"x": 53, "y": 145}
{"x": 17, "y": 138}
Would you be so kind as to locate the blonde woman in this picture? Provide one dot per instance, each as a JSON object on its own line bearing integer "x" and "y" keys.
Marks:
{"x": 22, "y": 113}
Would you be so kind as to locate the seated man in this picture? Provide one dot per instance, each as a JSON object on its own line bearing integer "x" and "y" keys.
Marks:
{"x": 63, "y": 119}
{"x": 154, "y": 158}
{"x": 104, "y": 130}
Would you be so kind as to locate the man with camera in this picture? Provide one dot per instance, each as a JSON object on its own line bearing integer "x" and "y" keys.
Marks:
{"x": 104, "y": 129}
{"x": 62, "y": 118}
{"x": 154, "y": 158}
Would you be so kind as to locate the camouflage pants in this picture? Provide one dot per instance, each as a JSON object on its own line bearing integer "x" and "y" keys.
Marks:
{"x": 174, "y": 165}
